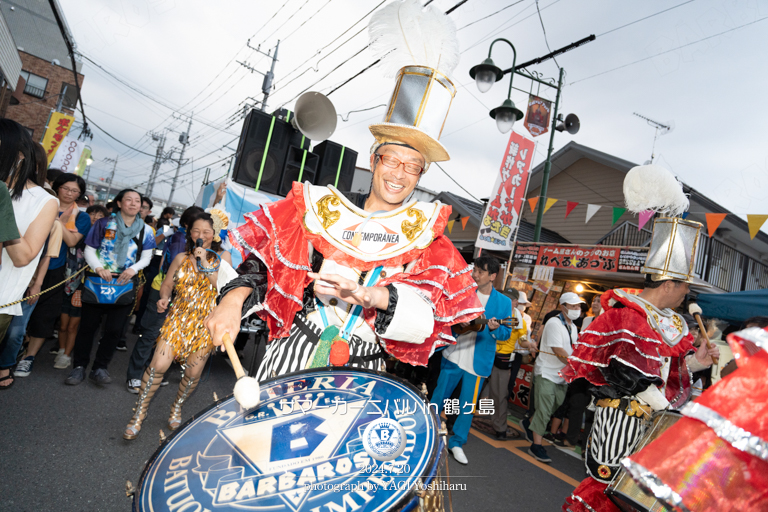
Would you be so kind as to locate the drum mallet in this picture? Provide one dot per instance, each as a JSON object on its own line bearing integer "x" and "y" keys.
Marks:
{"x": 247, "y": 389}
{"x": 695, "y": 310}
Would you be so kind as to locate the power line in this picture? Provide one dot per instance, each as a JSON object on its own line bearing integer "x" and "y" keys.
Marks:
{"x": 456, "y": 182}
{"x": 545, "y": 33}
{"x": 645, "y": 18}
{"x": 118, "y": 140}
{"x": 671, "y": 50}
{"x": 492, "y": 14}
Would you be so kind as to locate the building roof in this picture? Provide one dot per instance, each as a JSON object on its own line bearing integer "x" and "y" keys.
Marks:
{"x": 467, "y": 207}
{"x": 36, "y": 32}
{"x": 733, "y": 228}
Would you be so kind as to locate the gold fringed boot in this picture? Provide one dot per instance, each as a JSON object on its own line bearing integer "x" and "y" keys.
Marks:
{"x": 186, "y": 387}
{"x": 150, "y": 382}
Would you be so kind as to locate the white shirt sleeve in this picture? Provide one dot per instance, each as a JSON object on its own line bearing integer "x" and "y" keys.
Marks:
{"x": 146, "y": 257}
{"x": 226, "y": 274}
{"x": 91, "y": 258}
{"x": 413, "y": 321}
{"x": 693, "y": 364}
{"x": 653, "y": 397}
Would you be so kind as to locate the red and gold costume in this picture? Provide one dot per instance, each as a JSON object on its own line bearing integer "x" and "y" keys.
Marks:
{"x": 637, "y": 358}
{"x": 716, "y": 457}
{"x": 313, "y": 229}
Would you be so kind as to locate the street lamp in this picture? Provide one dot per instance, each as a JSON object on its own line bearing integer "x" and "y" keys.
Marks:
{"x": 485, "y": 75}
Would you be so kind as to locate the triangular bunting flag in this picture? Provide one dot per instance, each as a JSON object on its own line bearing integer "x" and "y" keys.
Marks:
{"x": 617, "y": 213}
{"x": 569, "y": 207}
{"x": 685, "y": 215}
{"x": 550, "y": 201}
{"x": 713, "y": 222}
{"x": 643, "y": 218}
{"x": 755, "y": 222}
{"x": 591, "y": 211}
{"x": 464, "y": 221}
{"x": 450, "y": 225}
{"x": 532, "y": 202}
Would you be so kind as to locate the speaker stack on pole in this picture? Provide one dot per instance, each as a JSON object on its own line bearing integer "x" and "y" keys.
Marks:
{"x": 273, "y": 151}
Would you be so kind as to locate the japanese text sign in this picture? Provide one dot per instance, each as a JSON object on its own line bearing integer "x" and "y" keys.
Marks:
{"x": 596, "y": 258}
{"x": 58, "y": 128}
{"x": 508, "y": 194}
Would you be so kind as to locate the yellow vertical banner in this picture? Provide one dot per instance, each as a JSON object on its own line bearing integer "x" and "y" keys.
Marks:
{"x": 58, "y": 128}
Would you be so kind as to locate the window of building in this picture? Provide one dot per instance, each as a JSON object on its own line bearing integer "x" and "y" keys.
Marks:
{"x": 68, "y": 96}
{"x": 35, "y": 84}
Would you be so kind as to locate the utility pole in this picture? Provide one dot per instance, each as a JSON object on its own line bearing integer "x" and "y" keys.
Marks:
{"x": 266, "y": 85}
{"x": 184, "y": 139}
{"x": 112, "y": 174}
{"x": 156, "y": 164}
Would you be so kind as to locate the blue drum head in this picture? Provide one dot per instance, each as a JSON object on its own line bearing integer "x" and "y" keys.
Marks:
{"x": 301, "y": 449}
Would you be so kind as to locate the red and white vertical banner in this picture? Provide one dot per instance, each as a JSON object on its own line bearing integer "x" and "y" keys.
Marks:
{"x": 507, "y": 196}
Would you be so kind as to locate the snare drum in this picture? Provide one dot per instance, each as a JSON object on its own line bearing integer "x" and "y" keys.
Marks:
{"x": 623, "y": 491}
{"x": 303, "y": 448}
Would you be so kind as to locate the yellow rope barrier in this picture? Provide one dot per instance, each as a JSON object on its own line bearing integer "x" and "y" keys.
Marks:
{"x": 46, "y": 290}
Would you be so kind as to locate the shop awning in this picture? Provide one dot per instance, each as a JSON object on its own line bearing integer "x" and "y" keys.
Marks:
{"x": 734, "y": 307}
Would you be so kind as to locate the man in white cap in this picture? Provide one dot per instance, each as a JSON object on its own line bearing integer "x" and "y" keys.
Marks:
{"x": 556, "y": 346}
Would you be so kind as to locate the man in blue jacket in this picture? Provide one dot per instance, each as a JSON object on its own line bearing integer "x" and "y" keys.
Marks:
{"x": 470, "y": 361}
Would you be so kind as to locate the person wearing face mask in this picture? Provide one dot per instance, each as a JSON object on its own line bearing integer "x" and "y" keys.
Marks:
{"x": 557, "y": 341}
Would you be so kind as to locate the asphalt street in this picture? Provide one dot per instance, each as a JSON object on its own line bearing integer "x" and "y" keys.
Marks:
{"x": 62, "y": 447}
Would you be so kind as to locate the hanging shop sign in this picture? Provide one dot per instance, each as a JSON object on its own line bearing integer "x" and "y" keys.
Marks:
{"x": 537, "y": 115}
{"x": 599, "y": 258}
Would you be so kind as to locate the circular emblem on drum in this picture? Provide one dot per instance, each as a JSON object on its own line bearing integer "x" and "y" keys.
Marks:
{"x": 604, "y": 471}
{"x": 301, "y": 449}
{"x": 384, "y": 439}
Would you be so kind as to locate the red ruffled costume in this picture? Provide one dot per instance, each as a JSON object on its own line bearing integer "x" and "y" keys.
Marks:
{"x": 625, "y": 335}
{"x": 722, "y": 464}
{"x": 276, "y": 234}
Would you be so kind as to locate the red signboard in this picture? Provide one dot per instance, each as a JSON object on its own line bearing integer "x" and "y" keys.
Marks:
{"x": 595, "y": 258}
{"x": 537, "y": 116}
{"x": 508, "y": 195}
{"x": 522, "y": 394}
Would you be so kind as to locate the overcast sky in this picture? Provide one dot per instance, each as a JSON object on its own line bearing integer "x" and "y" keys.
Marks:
{"x": 183, "y": 55}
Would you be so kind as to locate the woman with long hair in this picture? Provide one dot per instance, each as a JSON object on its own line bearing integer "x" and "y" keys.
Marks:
{"x": 183, "y": 337}
{"x": 116, "y": 248}
{"x": 75, "y": 225}
{"x": 35, "y": 211}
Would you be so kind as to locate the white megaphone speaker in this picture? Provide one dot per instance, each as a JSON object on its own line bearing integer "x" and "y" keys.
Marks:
{"x": 314, "y": 116}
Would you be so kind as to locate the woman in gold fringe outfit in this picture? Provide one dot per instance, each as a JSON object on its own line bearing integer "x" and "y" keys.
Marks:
{"x": 183, "y": 337}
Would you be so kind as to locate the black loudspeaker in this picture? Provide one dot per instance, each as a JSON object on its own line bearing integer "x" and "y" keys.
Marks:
{"x": 335, "y": 159}
{"x": 300, "y": 165}
{"x": 258, "y": 130}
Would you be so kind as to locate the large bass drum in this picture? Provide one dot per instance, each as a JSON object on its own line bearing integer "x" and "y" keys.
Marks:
{"x": 302, "y": 449}
{"x": 624, "y": 491}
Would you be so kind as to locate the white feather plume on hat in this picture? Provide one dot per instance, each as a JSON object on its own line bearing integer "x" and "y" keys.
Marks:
{"x": 651, "y": 187}
{"x": 405, "y": 33}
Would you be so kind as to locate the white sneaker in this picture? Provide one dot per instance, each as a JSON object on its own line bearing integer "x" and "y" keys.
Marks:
{"x": 134, "y": 386}
{"x": 458, "y": 454}
{"x": 62, "y": 361}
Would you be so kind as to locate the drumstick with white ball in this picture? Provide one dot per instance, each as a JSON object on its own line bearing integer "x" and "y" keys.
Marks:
{"x": 246, "y": 388}
{"x": 695, "y": 310}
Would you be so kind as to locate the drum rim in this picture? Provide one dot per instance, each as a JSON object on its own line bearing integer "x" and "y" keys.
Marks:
{"x": 398, "y": 505}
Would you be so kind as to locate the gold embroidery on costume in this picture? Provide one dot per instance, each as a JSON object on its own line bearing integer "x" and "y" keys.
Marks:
{"x": 412, "y": 229}
{"x": 328, "y": 217}
{"x": 183, "y": 329}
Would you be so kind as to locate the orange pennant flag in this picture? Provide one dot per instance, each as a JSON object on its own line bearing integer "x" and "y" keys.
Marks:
{"x": 550, "y": 202}
{"x": 532, "y": 202}
{"x": 464, "y": 221}
{"x": 450, "y": 225}
{"x": 755, "y": 222}
{"x": 713, "y": 222}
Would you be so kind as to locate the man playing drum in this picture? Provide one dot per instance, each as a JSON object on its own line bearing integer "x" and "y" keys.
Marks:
{"x": 338, "y": 284}
{"x": 638, "y": 356}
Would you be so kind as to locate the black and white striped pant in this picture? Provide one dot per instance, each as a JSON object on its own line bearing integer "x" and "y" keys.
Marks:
{"x": 292, "y": 353}
{"x": 614, "y": 436}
